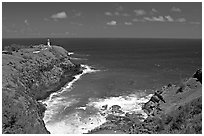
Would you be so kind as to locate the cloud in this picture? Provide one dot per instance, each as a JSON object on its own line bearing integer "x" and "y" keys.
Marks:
{"x": 128, "y": 23}
{"x": 108, "y": 14}
{"x": 164, "y": 19}
{"x": 139, "y": 12}
{"x": 117, "y": 14}
{"x": 169, "y": 18}
{"x": 112, "y": 23}
{"x": 26, "y": 22}
{"x": 158, "y": 19}
{"x": 180, "y": 20}
{"x": 67, "y": 33}
{"x": 154, "y": 10}
{"x": 175, "y": 9}
{"x": 60, "y": 15}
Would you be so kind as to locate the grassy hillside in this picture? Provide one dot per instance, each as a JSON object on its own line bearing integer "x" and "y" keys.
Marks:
{"x": 31, "y": 74}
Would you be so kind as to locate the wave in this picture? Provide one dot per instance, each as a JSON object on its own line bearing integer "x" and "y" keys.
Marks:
{"x": 76, "y": 124}
{"x": 131, "y": 103}
{"x": 72, "y": 58}
{"x": 57, "y": 105}
{"x": 55, "y": 101}
{"x": 85, "y": 119}
{"x": 70, "y": 53}
{"x": 86, "y": 69}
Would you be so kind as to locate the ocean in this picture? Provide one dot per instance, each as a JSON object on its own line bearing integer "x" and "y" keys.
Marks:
{"x": 122, "y": 72}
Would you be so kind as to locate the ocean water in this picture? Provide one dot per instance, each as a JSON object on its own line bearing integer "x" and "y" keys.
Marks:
{"x": 120, "y": 72}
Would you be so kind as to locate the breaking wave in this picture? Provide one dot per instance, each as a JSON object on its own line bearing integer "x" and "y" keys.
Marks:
{"x": 70, "y": 53}
{"x": 131, "y": 103}
{"x": 93, "y": 115}
{"x": 86, "y": 69}
{"x": 73, "y": 58}
{"x": 85, "y": 118}
{"x": 56, "y": 102}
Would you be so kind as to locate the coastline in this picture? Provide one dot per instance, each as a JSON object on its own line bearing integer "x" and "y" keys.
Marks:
{"x": 28, "y": 81}
{"x": 63, "y": 81}
{"x": 59, "y": 103}
{"x": 172, "y": 109}
{"x": 65, "y": 87}
{"x": 30, "y": 74}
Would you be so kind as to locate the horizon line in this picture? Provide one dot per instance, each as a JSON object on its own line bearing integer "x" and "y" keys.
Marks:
{"x": 99, "y": 38}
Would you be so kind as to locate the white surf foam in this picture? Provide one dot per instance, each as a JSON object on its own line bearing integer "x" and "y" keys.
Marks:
{"x": 72, "y": 58}
{"x": 83, "y": 108}
{"x": 57, "y": 105}
{"x": 56, "y": 102}
{"x": 86, "y": 69}
{"x": 75, "y": 124}
{"x": 70, "y": 53}
{"x": 79, "y": 122}
{"x": 131, "y": 103}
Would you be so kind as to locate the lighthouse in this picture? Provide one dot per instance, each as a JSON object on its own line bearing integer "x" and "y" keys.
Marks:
{"x": 48, "y": 43}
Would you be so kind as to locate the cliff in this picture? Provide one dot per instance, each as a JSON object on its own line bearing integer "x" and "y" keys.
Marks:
{"x": 173, "y": 109}
{"x": 28, "y": 75}
{"x": 176, "y": 109}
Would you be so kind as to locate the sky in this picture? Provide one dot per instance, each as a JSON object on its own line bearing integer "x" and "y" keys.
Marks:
{"x": 101, "y": 20}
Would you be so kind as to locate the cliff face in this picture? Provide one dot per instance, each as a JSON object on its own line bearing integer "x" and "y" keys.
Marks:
{"x": 28, "y": 75}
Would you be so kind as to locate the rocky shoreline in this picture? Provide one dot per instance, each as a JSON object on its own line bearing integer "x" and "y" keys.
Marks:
{"x": 173, "y": 109}
{"x": 31, "y": 74}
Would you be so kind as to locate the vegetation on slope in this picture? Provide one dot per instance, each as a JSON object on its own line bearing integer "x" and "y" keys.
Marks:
{"x": 31, "y": 74}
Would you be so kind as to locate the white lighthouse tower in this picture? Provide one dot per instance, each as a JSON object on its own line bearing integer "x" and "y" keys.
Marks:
{"x": 48, "y": 43}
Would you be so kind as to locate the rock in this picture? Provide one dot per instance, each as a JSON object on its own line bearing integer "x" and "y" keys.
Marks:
{"x": 159, "y": 96}
{"x": 198, "y": 75}
{"x": 169, "y": 85}
{"x": 116, "y": 109}
{"x": 134, "y": 117}
{"x": 104, "y": 107}
{"x": 152, "y": 106}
